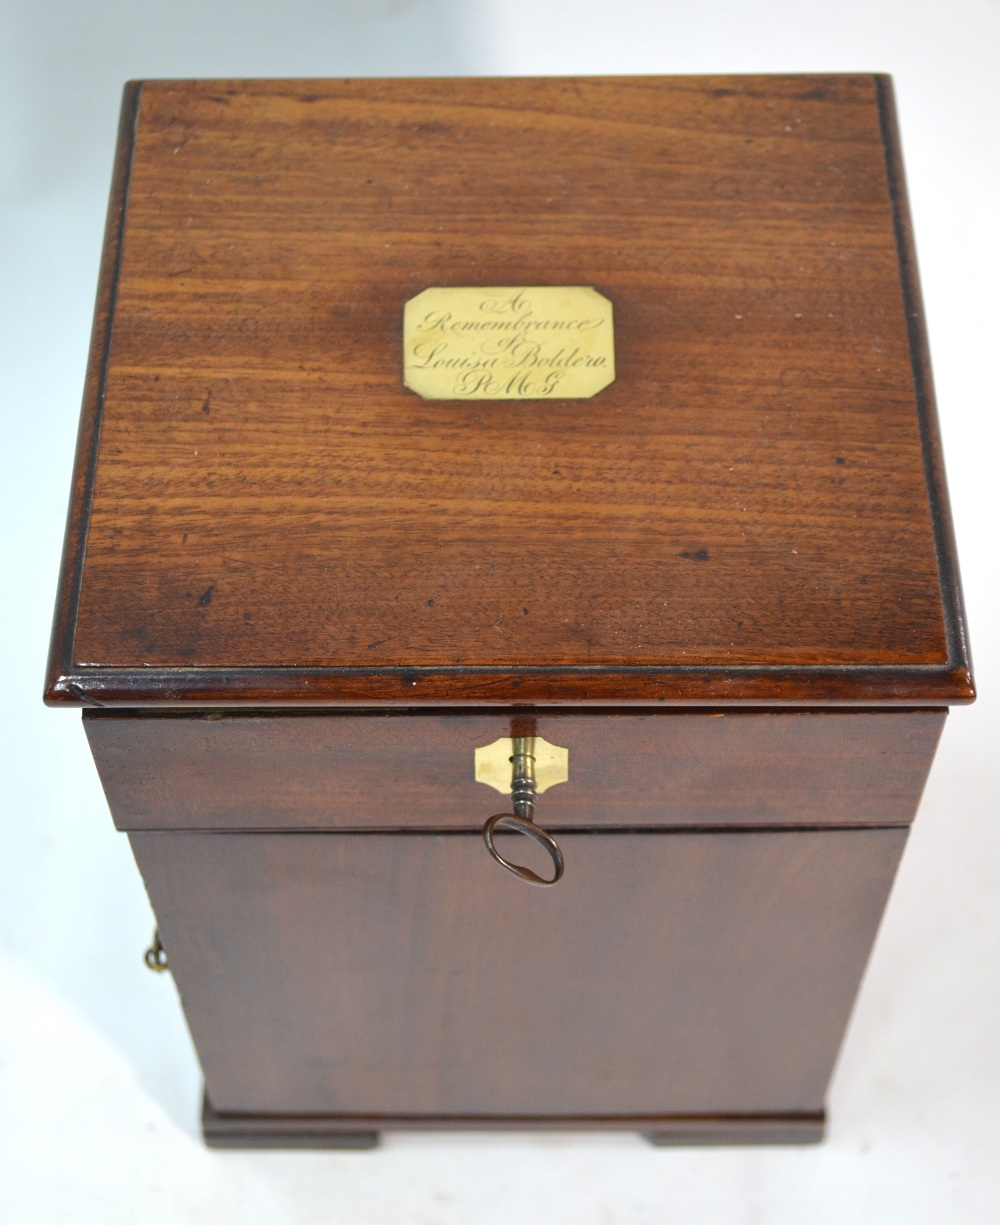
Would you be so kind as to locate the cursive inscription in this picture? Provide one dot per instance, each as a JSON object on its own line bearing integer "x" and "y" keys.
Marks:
{"x": 545, "y": 342}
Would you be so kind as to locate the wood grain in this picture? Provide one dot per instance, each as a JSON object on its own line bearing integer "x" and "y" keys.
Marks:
{"x": 354, "y": 772}
{"x": 743, "y": 516}
{"x": 406, "y": 974}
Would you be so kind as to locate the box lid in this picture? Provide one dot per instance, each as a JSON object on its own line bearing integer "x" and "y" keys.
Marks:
{"x": 752, "y": 510}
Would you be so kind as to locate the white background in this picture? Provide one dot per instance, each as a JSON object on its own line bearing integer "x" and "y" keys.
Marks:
{"x": 98, "y": 1084}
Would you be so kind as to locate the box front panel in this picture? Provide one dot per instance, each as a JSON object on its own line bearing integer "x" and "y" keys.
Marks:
{"x": 355, "y": 771}
{"x": 407, "y": 975}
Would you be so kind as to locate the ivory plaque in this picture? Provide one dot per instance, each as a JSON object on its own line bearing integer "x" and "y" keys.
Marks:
{"x": 545, "y": 342}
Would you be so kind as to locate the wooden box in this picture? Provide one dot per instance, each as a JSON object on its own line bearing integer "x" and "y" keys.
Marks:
{"x": 651, "y": 476}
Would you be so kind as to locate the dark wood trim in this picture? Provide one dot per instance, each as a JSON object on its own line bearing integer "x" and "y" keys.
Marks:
{"x": 516, "y": 712}
{"x": 959, "y": 657}
{"x": 362, "y": 1131}
{"x": 757, "y": 1129}
{"x": 463, "y": 831}
{"x": 60, "y": 661}
{"x": 777, "y": 685}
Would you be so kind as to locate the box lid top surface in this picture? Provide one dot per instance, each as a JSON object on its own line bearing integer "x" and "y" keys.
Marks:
{"x": 752, "y": 511}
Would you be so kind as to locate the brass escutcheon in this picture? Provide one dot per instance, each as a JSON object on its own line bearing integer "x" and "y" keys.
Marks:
{"x": 493, "y": 764}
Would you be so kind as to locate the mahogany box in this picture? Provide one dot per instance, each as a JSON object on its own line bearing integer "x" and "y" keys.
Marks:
{"x": 510, "y": 586}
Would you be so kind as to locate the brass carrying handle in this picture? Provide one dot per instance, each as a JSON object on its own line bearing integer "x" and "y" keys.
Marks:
{"x": 155, "y": 956}
{"x": 521, "y": 820}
